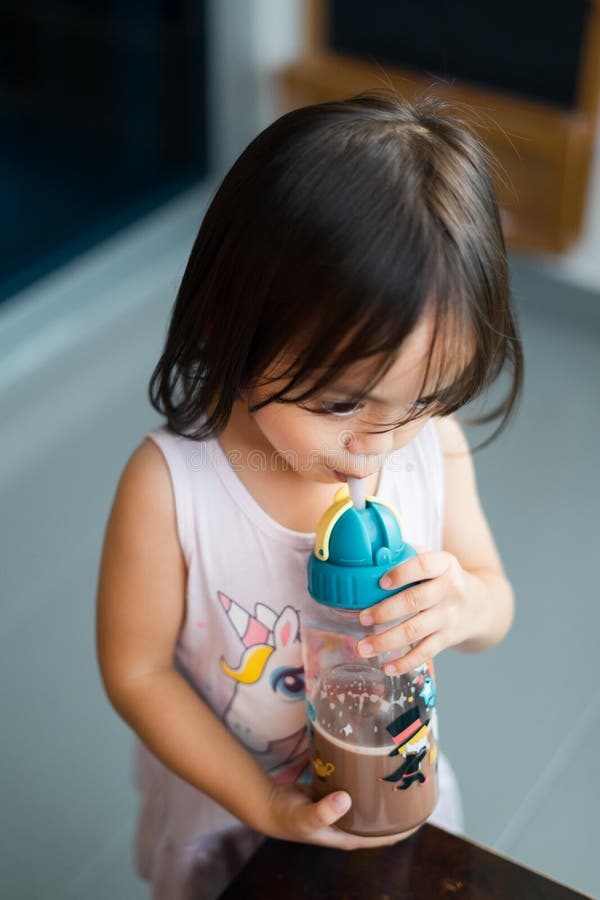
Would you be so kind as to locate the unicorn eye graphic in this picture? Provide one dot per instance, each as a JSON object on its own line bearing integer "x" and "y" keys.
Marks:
{"x": 289, "y": 681}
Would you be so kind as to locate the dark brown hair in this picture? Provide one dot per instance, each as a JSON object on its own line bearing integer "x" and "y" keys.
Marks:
{"x": 334, "y": 231}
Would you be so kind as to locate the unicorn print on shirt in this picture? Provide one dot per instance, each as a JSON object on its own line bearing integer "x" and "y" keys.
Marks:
{"x": 267, "y": 711}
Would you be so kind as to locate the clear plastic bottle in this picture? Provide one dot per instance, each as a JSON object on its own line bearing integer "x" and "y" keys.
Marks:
{"x": 372, "y": 734}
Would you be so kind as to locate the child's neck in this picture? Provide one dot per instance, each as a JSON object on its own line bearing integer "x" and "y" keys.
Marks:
{"x": 288, "y": 497}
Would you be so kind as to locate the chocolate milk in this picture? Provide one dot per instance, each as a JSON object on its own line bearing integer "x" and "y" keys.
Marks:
{"x": 379, "y": 807}
{"x": 376, "y": 738}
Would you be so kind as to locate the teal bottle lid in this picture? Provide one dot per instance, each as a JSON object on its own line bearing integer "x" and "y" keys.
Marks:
{"x": 354, "y": 548}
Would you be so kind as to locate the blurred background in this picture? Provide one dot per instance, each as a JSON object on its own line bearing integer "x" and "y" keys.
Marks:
{"x": 118, "y": 119}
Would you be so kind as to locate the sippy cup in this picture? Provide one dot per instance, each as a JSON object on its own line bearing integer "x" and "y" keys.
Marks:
{"x": 372, "y": 735}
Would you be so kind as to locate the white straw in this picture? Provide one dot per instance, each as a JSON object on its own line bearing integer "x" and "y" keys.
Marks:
{"x": 357, "y": 488}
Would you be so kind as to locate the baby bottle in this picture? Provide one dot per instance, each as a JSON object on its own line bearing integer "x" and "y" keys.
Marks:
{"x": 372, "y": 735}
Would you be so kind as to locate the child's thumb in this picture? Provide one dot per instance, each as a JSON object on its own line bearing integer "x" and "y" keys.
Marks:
{"x": 331, "y": 808}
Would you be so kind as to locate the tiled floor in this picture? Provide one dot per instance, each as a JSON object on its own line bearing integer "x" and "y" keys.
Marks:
{"x": 528, "y": 791}
{"x": 521, "y": 723}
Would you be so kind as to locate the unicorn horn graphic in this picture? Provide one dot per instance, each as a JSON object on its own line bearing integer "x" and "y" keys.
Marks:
{"x": 269, "y": 672}
{"x": 250, "y": 629}
{"x": 254, "y": 635}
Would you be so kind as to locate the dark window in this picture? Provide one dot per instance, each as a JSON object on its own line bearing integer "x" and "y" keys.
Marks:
{"x": 526, "y": 47}
{"x": 103, "y": 116}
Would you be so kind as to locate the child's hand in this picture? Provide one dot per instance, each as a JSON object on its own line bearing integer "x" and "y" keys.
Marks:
{"x": 293, "y": 816}
{"x": 437, "y": 608}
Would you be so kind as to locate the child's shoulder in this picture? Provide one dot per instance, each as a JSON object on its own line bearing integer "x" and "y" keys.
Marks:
{"x": 144, "y": 506}
{"x": 146, "y": 468}
{"x": 141, "y": 587}
{"x": 459, "y": 471}
{"x": 451, "y": 435}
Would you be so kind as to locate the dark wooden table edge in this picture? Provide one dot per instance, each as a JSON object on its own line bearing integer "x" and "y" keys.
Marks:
{"x": 433, "y": 863}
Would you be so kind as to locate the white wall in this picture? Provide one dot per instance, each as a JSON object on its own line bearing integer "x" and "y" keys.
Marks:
{"x": 251, "y": 39}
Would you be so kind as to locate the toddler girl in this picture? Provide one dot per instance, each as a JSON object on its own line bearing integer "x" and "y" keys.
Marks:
{"x": 346, "y": 294}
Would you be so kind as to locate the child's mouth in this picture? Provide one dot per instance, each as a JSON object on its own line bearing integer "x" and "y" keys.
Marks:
{"x": 343, "y": 476}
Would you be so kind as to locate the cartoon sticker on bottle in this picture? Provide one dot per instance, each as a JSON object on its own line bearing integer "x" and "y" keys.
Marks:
{"x": 410, "y": 734}
{"x": 323, "y": 769}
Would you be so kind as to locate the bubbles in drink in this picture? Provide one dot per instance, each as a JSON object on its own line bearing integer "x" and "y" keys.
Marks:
{"x": 375, "y": 737}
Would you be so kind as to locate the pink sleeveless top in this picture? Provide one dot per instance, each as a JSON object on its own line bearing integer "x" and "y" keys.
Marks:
{"x": 239, "y": 645}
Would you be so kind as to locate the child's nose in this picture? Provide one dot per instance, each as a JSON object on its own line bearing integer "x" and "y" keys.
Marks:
{"x": 368, "y": 450}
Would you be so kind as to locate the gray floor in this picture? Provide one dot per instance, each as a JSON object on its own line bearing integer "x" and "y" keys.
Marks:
{"x": 521, "y": 723}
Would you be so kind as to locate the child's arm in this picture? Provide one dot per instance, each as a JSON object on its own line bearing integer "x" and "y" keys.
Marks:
{"x": 140, "y": 611}
{"x": 467, "y": 536}
{"x": 466, "y": 600}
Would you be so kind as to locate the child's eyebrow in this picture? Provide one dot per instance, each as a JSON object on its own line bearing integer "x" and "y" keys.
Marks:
{"x": 350, "y": 394}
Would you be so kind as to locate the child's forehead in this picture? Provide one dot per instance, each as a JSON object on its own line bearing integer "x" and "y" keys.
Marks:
{"x": 409, "y": 362}
{"x": 423, "y": 362}
{"x": 420, "y": 358}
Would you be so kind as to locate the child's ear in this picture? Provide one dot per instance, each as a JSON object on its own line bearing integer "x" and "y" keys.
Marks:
{"x": 287, "y": 627}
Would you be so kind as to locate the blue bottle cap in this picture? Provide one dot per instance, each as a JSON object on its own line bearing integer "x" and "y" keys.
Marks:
{"x": 354, "y": 548}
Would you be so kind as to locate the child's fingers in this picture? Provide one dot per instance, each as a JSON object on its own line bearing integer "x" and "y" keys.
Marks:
{"x": 316, "y": 824}
{"x": 327, "y": 811}
{"x": 430, "y": 564}
{"x": 407, "y": 603}
{"x": 405, "y": 635}
{"x": 418, "y": 655}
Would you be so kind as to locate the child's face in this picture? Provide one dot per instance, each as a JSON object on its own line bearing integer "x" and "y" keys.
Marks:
{"x": 328, "y": 448}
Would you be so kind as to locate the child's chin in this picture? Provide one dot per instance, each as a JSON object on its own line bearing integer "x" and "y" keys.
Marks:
{"x": 321, "y": 476}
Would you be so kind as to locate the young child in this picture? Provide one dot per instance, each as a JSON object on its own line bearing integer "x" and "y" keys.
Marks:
{"x": 347, "y": 292}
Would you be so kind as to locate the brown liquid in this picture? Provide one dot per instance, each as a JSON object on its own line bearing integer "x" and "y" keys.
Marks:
{"x": 377, "y": 808}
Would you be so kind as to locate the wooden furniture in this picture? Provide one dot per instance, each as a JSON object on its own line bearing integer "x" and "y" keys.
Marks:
{"x": 430, "y": 865}
{"x": 544, "y": 150}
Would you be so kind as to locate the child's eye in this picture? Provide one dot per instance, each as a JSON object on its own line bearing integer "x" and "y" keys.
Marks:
{"x": 419, "y": 404}
{"x": 340, "y": 407}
